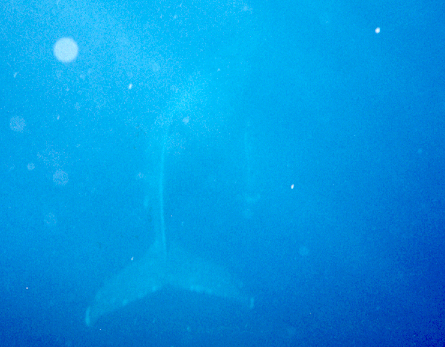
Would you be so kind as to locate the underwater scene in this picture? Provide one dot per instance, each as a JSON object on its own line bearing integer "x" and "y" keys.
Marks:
{"x": 222, "y": 173}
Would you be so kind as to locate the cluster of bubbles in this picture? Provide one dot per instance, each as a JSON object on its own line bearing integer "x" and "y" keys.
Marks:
{"x": 66, "y": 51}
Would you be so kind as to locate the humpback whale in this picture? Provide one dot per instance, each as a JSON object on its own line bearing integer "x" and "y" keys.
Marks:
{"x": 167, "y": 264}
{"x": 164, "y": 265}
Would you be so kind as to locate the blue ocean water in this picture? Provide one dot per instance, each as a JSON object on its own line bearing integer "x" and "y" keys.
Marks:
{"x": 303, "y": 147}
